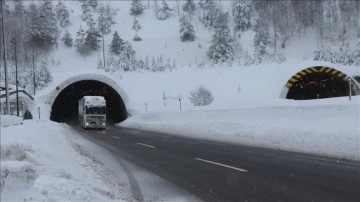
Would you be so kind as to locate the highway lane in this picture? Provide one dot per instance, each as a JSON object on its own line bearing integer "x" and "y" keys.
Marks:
{"x": 223, "y": 172}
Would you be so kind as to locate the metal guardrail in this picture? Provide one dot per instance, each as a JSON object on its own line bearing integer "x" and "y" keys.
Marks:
{"x": 20, "y": 91}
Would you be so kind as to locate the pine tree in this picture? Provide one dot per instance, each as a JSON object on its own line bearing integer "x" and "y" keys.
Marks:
{"x": 90, "y": 22}
{"x": 93, "y": 3}
{"x": 43, "y": 76}
{"x": 208, "y": 9}
{"x": 345, "y": 54}
{"x": 187, "y": 32}
{"x": 116, "y": 45}
{"x": 136, "y": 27}
{"x": 43, "y": 31}
{"x": 242, "y": 14}
{"x": 261, "y": 42}
{"x": 221, "y": 48}
{"x": 163, "y": 13}
{"x": 19, "y": 8}
{"x": 68, "y": 41}
{"x": 146, "y": 63}
{"x": 105, "y": 19}
{"x": 136, "y": 7}
{"x": 62, "y": 14}
{"x": 85, "y": 11}
{"x": 356, "y": 55}
{"x": 128, "y": 57}
{"x": 189, "y": 7}
{"x": 80, "y": 42}
{"x": 100, "y": 63}
{"x": 92, "y": 39}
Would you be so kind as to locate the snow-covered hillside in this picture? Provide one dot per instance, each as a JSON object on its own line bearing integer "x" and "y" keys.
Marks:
{"x": 249, "y": 107}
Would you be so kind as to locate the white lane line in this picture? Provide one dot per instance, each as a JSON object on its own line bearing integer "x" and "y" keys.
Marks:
{"x": 219, "y": 164}
{"x": 115, "y": 137}
{"x": 146, "y": 145}
{"x": 215, "y": 143}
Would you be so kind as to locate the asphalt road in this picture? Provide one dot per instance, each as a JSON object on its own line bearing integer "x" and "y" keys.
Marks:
{"x": 222, "y": 172}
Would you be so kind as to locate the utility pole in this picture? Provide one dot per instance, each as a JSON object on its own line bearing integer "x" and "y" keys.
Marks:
{"x": 33, "y": 61}
{"x": 349, "y": 78}
{"x": 16, "y": 79}
{"x": 4, "y": 57}
{"x": 103, "y": 42}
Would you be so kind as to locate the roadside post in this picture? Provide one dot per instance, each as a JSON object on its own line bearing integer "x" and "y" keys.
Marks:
{"x": 349, "y": 79}
{"x": 39, "y": 112}
{"x": 180, "y": 103}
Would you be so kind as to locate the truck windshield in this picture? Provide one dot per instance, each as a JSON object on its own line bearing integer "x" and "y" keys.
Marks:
{"x": 95, "y": 110}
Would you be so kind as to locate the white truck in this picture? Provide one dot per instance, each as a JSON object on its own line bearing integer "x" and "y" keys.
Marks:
{"x": 92, "y": 112}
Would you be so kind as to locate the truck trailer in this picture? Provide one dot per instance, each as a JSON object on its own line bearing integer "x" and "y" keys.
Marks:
{"x": 92, "y": 112}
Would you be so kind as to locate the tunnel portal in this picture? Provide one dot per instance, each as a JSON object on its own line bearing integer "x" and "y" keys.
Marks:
{"x": 65, "y": 105}
{"x": 318, "y": 82}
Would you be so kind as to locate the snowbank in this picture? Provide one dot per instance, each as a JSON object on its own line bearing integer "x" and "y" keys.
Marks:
{"x": 7, "y": 120}
{"x": 40, "y": 163}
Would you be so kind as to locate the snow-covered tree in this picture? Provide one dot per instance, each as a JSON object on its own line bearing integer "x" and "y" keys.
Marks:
{"x": 92, "y": 39}
{"x": 146, "y": 63}
{"x": 100, "y": 64}
{"x": 43, "y": 76}
{"x": 85, "y": 11}
{"x": 125, "y": 60}
{"x": 67, "y": 39}
{"x": 43, "y": 31}
{"x": 207, "y": 16}
{"x": 189, "y": 7}
{"x": 221, "y": 48}
{"x": 136, "y": 27}
{"x": 187, "y": 32}
{"x": 318, "y": 52}
{"x": 136, "y": 7}
{"x": 62, "y": 14}
{"x": 128, "y": 56}
{"x": 19, "y": 8}
{"x": 93, "y": 3}
{"x": 91, "y": 22}
{"x": 163, "y": 13}
{"x": 356, "y": 55}
{"x": 201, "y": 97}
{"x": 80, "y": 42}
{"x": 105, "y": 19}
{"x": 261, "y": 42}
{"x": 242, "y": 14}
{"x": 344, "y": 54}
{"x": 116, "y": 45}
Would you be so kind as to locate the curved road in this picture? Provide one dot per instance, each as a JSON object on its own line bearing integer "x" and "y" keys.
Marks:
{"x": 222, "y": 172}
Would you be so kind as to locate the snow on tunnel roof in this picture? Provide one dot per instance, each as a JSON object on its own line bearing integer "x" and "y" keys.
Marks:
{"x": 94, "y": 100}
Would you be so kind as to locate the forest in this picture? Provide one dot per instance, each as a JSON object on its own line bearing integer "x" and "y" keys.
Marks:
{"x": 33, "y": 29}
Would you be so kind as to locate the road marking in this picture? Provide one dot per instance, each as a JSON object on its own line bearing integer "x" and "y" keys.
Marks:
{"x": 115, "y": 137}
{"x": 146, "y": 145}
{"x": 219, "y": 164}
{"x": 215, "y": 143}
{"x": 324, "y": 159}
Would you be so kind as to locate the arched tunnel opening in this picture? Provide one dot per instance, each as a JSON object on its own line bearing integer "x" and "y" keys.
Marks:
{"x": 317, "y": 83}
{"x": 65, "y": 105}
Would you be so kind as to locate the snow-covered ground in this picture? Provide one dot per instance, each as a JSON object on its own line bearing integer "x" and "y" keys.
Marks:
{"x": 329, "y": 127}
{"x": 40, "y": 163}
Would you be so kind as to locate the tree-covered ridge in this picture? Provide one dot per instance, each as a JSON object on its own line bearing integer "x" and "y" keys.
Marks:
{"x": 44, "y": 24}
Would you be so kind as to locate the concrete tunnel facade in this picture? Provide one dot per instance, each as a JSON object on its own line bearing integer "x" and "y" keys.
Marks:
{"x": 64, "y": 99}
